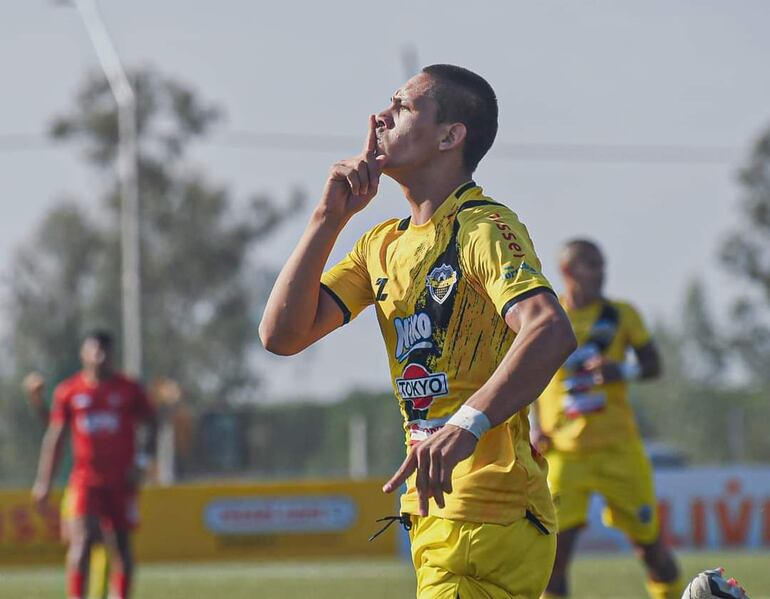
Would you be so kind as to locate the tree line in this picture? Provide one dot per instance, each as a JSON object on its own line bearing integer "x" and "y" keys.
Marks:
{"x": 204, "y": 279}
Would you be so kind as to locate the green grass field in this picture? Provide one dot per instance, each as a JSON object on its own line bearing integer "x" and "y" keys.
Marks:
{"x": 593, "y": 578}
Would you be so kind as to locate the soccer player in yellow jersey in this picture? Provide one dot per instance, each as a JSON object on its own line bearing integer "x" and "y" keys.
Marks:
{"x": 472, "y": 329}
{"x": 585, "y": 418}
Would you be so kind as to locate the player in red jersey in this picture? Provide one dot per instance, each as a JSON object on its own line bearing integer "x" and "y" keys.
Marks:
{"x": 102, "y": 409}
{"x": 99, "y": 567}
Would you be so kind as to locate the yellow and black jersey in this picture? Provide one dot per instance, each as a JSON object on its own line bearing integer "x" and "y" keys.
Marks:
{"x": 576, "y": 413}
{"x": 441, "y": 290}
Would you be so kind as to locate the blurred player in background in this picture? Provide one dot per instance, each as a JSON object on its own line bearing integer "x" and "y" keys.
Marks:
{"x": 586, "y": 424}
{"x": 98, "y": 572}
{"x": 102, "y": 409}
{"x": 472, "y": 328}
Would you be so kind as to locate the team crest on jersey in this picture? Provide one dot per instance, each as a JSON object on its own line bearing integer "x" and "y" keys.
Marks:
{"x": 440, "y": 282}
{"x": 81, "y": 401}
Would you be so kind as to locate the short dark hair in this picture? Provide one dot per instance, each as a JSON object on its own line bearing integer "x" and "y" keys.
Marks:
{"x": 102, "y": 336}
{"x": 576, "y": 246}
{"x": 465, "y": 97}
{"x": 581, "y": 243}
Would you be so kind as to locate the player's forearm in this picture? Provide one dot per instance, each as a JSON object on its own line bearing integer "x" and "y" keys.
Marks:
{"x": 536, "y": 354}
{"x": 292, "y": 307}
{"x": 49, "y": 456}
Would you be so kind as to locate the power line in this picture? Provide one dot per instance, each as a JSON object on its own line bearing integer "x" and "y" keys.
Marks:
{"x": 562, "y": 152}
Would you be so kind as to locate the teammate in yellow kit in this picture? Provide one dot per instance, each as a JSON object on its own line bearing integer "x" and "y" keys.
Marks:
{"x": 585, "y": 421}
{"x": 472, "y": 329}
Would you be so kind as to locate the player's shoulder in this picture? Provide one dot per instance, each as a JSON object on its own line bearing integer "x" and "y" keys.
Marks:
{"x": 124, "y": 381}
{"x": 625, "y": 308}
{"x": 70, "y": 385}
{"x": 384, "y": 228}
{"x": 481, "y": 209}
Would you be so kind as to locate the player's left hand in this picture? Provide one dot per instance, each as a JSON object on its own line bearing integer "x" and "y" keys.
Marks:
{"x": 603, "y": 370}
{"x": 434, "y": 459}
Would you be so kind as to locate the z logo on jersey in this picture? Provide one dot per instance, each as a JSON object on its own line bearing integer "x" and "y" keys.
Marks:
{"x": 413, "y": 332}
{"x": 440, "y": 282}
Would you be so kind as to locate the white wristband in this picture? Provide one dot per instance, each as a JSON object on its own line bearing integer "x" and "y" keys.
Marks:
{"x": 630, "y": 370}
{"x": 470, "y": 419}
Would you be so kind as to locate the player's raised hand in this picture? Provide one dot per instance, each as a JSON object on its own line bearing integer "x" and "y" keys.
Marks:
{"x": 352, "y": 183}
{"x": 33, "y": 385}
{"x": 434, "y": 459}
{"x": 603, "y": 370}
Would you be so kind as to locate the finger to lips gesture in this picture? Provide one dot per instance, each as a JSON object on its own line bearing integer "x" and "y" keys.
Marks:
{"x": 434, "y": 459}
{"x": 354, "y": 182}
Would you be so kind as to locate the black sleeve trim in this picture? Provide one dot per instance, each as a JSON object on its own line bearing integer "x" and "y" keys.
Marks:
{"x": 525, "y": 295}
{"x": 474, "y": 203}
{"x": 339, "y": 302}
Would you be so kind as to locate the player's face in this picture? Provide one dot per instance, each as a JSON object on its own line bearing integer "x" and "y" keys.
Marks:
{"x": 407, "y": 131}
{"x": 94, "y": 355}
{"x": 586, "y": 269}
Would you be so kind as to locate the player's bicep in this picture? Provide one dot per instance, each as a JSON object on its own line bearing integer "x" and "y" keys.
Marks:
{"x": 541, "y": 306}
{"x": 330, "y": 315}
{"x": 345, "y": 291}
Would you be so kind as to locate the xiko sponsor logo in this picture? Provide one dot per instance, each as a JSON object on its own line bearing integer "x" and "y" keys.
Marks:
{"x": 418, "y": 386}
{"x": 413, "y": 332}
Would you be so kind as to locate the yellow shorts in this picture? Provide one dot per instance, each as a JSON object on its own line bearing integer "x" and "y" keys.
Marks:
{"x": 622, "y": 474}
{"x": 480, "y": 561}
{"x": 67, "y": 509}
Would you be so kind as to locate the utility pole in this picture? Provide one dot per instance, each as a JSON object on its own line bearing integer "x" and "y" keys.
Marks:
{"x": 409, "y": 60}
{"x": 130, "y": 234}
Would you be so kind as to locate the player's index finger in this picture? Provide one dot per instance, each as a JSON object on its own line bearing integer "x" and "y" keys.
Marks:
{"x": 406, "y": 468}
{"x": 371, "y": 138}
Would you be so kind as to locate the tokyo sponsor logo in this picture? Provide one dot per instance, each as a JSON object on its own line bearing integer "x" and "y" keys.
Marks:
{"x": 413, "y": 332}
{"x": 418, "y": 386}
{"x": 440, "y": 282}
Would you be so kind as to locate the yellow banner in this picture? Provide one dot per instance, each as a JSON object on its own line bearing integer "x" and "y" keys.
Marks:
{"x": 223, "y": 521}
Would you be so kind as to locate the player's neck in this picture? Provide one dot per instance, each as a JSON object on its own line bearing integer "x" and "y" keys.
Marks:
{"x": 577, "y": 298}
{"x": 96, "y": 375}
{"x": 427, "y": 190}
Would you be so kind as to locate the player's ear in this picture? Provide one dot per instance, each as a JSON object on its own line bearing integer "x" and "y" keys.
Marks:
{"x": 452, "y": 136}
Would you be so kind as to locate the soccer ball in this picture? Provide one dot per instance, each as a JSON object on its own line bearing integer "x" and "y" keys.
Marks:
{"x": 711, "y": 584}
